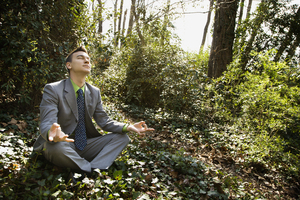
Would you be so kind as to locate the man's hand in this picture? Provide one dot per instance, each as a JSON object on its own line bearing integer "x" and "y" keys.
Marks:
{"x": 140, "y": 128}
{"x": 56, "y": 135}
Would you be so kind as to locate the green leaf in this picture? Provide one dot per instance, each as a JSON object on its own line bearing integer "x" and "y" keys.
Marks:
{"x": 136, "y": 194}
{"x": 67, "y": 194}
{"x": 213, "y": 193}
{"x": 46, "y": 193}
{"x": 202, "y": 191}
{"x": 118, "y": 175}
{"x": 42, "y": 182}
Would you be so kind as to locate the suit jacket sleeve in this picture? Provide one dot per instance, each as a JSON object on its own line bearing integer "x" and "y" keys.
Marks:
{"x": 48, "y": 110}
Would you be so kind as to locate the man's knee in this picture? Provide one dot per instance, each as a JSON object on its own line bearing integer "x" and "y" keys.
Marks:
{"x": 124, "y": 138}
{"x": 63, "y": 154}
{"x": 127, "y": 138}
{"x": 53, "y": 149}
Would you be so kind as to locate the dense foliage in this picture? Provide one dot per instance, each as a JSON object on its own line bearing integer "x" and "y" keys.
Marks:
{"x": 275, "y": 25}
{"x": 157, "y": 76}
{"x": 235, "y": 137}
{"x": 179, "y": 162}
{"x": 35, "y": 39}
{"x": 263, "y": 103}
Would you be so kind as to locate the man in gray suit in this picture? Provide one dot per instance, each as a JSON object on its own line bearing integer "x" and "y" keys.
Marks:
{"x": 62, "y": 125}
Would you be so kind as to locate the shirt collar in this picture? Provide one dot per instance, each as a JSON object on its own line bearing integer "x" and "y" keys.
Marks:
{"x": 76, "y": 87}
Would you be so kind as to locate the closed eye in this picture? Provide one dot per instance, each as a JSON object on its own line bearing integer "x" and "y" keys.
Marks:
{"x": 83, "y": 57}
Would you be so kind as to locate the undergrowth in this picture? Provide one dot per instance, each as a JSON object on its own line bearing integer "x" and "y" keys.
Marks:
{"x": 141, "y": 172}
{"x": 164, "y": 165}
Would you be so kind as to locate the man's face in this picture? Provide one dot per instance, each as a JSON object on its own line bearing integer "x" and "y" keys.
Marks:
{"x": 80, "y": 63}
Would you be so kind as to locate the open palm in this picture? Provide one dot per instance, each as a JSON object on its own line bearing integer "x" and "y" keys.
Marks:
{"x": 140, "y": 128}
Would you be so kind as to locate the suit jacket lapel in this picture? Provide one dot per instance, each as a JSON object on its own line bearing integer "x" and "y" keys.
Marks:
{"x": 69, "y": 95}
{"x": 88, "y": 100}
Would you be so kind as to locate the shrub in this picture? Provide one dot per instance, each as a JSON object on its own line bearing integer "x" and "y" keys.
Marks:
{"x": 35, "y": 38}
{"x": 262, "y": 103}
{"x": 161, "y": 78}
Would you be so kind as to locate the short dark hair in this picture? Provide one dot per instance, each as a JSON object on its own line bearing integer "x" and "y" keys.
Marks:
{"x": 69, "y": 57}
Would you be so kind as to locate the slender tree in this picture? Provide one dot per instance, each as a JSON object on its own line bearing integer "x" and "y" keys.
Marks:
{"x": 249, "y": 9}
{"x": 131, "y": 18}
{"x": 100, "y": 20}
{"x": 115, "y": 21}
{"x": 137, "y": 12}
{"x": 118, "y": 32}
{"x": 165, "y": 22}
{"x": 211, "y": 4}
{"x": 241, "y": 11}
{"x": 123, "y": 28}
{"x": 289, "y": 43}
{"x": 120, "y": 16}
{"x": 256, "y": 26}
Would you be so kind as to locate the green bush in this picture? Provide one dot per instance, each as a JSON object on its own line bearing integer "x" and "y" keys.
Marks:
{"x": 263, "y": 104}
{"x": 161, "y": 78}
{"x": 268, "y": 97}
{"x": 35, "y": 38}
{"x": 153, "y": 72}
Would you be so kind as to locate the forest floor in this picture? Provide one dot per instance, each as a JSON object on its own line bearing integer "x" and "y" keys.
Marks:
{"x": 255, "y": 179}
{"x": 166, "y": 164}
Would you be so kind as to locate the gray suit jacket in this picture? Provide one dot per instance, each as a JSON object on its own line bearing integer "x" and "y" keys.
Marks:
{"x": 59, "y": 105}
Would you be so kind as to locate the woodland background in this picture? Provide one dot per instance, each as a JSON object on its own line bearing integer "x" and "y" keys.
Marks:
{"x": 227, "y": 118}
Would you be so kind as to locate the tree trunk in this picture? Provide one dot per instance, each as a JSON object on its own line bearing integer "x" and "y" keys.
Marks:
{"x": 123, "y": 28}
{"x": 124, "y": 21}
{"x": 288, "y": 43}
{"x": 165, "y": 23}
{"x": 120, "y": 17}
{"x": 256, "y": 26}
{"x": 249, "y": 9}
{"x": 131, "y": 18}
{"x": 241, "y": 11}
{"x": 140, "y": 9}
{"x": 223, "y": 37}
{"x": 118, "y": 33}
{"x": 293, "y": 48}
{"x": 115, "y": 21}
{"x": 206, "y": 25}
{"x": 100, "y": 23}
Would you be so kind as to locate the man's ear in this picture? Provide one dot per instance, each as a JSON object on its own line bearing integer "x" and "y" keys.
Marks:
{"x": 68, "y": 65}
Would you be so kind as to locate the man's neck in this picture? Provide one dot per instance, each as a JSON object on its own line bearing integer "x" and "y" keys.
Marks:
{"x": 78, "y": 80}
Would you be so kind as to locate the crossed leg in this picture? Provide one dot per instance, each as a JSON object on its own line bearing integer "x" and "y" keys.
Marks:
{"x": 99, "y": 153}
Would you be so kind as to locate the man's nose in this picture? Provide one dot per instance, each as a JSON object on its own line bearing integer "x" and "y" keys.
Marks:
{"x": 86, "y": 60}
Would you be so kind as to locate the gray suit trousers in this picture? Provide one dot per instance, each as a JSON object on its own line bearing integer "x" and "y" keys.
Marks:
{"x": 99, "y": 153}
